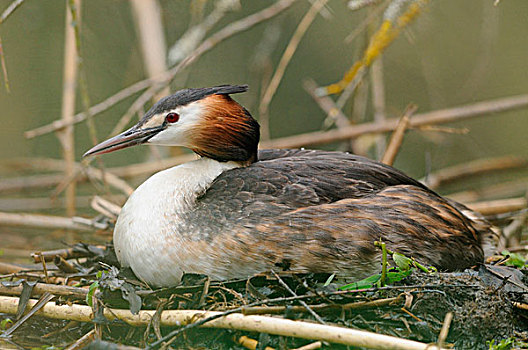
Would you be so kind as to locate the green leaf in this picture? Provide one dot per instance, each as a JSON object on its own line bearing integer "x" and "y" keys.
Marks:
{"x": 91, "y": 291}
{"x": 368, "y": 282}
{"x": 6, "y": 323}
{"x": 395, "y": 276}
{"x": 329, "y": 280}
{"x": 403, "y": 262}
{"x": 516, "y": 259}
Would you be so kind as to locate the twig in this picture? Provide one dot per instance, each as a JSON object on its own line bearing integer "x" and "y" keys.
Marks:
{"x": 69, "y": 80}
{"x": 250, "y": 343}
{"x": 37, "y": 305}
{"x": 473, "y": 168}
{"x": 42, "y": 288}
{"x": 41, "y": 221}
{"x": 66, "y": 253}
{"x": 311, "y": 346}
{"x": 263, "y": 324}
{"x": 378, "y": 101}
{"x": 45, "y": 203}
{"x": 521, "y": 306}
{"x": 6, "y": 268}
{"x": 303, "y": 26}
{"x": 83, "y": 341}
{"x": 499, "y": 206}
{"x": 313, "y": 313}
{"x": 93, "y": 111}
{"x": 4, "y": 66}
{"x": 397, "y": 136}
{"x": 435, "y": 117}
{"x": 262, "y": 310}
{"x": 326, "y": 104}
{"x": 61, "y": 264}
{"x": 500, "y": 190}
{"x": 44, "y": 268}
{"x": 445, "y": 329}
{"x": 10, "y": 9}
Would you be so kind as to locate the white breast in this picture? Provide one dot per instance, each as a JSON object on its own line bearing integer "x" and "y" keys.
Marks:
{"x": 145, "y": 238}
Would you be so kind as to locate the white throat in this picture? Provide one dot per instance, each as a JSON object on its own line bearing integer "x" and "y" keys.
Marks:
{"x": 145, "y": 228}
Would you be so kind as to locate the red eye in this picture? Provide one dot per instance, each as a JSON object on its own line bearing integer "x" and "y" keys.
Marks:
{"x": 172, "y": 117}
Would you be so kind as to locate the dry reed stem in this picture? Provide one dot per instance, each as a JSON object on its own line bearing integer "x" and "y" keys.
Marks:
{"x": 311, "y": 346}
{"x": 263, "y": 310}
{"x": 397, "y": 136}
{"x": 69, "y": 85}
{"x": 473, "y": 168}
{"x": 445, "y": 329}
{"x": 41, "y": 221}
{"x": 296, "y": 38}
{"x": 10, "y": 9}
{"x": 46, "y": 203}
{"x": 378, "y": 101}
{"x": 448, "y": 115}
{"x": 499, "y": 206}
{"x": 6, "y": 268}
{"x": 93, "y": 111}
{"x": 262, "y": 324}
{"x": 326, "y": 104}
{"x": 250, "y": 343}
{"x": 83, "y": 341}
{"x": 4, "y": 66}
{"x": 41, "y": 288}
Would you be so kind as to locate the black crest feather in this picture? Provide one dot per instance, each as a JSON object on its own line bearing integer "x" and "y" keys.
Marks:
{"x": 187, "y": 96}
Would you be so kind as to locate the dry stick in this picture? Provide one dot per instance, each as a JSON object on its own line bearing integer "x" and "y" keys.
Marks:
{"x": 149, "y": 24}
{"x": 503, "y": 189}
{"x": 326, "y": 104}
{"x": 35, "y": 307}
{"x": 521, "y": 306}
{"x": 6, "y": 268}
{"x": 93, "y": 111}
{"x": 499, "y": 206}
{"x": 66, "y": 135}
{"x": 473, "y": 168}
{"x": 262, "y": 310}
{"x": 445, "y": 329}
{"x": 311, "y": 346}
{"x": 41, "y": 221}
{"x": 83, "y": 341}
{"x": 435, "y": 117}
{"x": 296, "y": 38}
{"x": 4, "y": 66}
{"x": 41, "y": 288}
{"x": 42, "y": 203}
{"x": 364, "y": 24}
{"x": 10, "y": 9}
{"x": 263, "y": 324}
{"x": 302, "y": 302}
{"x": 378, "y": 101}
{"x": 249, "y": 343}
{"x": 66, "y": 253}
{"x": 397, "y": 136}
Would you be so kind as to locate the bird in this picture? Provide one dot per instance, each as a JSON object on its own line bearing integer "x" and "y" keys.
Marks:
{"x": 237, "y": 211}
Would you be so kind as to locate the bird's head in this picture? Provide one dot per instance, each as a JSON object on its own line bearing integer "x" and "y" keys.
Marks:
{"x": 205, "y": 120}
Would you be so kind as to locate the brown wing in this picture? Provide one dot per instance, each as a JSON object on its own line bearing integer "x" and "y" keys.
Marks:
{"x": 321, "y": 211}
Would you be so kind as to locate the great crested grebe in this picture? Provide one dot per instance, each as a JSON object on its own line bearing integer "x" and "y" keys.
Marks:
{"x": 238, "y": 211}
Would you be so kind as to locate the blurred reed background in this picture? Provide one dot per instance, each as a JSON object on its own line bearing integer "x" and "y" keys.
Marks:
{"x": 451, "y": 53}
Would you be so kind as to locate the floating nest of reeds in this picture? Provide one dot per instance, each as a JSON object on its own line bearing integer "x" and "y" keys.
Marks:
{"x": 79, "y": 297}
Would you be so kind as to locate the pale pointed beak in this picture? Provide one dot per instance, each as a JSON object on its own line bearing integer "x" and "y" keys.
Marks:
{"x": 131, "y": 137}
